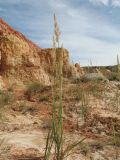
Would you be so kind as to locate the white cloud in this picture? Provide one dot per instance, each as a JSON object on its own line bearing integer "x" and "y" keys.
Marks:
{"x": 89, "y": 36}
{"x": 115, "y": 3}
{"x": 85, "y": 33}
{"x": 99, "y": 2}
{"x": 57, "y": 4}
{"x": 84, "y": 47}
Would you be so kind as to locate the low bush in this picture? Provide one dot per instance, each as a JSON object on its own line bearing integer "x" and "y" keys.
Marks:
{"x": 43, "y": 98}
{"x": 33, "y": 88}
{"x": 76, "y": 80}
{"x": 5, "y": 98}
{"x": 92, "y": 77}
{"x": 78, "y": 94}
{"x": 114, "y": 76}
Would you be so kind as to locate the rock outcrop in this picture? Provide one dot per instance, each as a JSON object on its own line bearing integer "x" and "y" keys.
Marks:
{"x": 19, "y": 57}
{"x": 47, "y": 57}
{"x": 23, "y": 61}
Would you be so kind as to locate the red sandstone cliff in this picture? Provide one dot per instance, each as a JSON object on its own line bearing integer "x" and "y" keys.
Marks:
{"x": 23, "y": 61}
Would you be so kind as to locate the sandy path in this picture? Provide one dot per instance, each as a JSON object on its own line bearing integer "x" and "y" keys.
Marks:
{"x": 32, "y": 139}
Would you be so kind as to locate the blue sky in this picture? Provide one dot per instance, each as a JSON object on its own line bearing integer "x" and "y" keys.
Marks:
{"x": 90, "y": 29}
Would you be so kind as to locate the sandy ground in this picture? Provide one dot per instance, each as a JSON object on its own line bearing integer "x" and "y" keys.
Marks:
{"x": 23, "y": 129}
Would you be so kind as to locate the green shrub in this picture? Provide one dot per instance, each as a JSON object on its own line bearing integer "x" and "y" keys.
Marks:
{"x": 114, "y": 77}
{"x": 43, "y": 98}
{"x": 76, "y": 80}
{"x": 34, "y": 88}
{"x": 5, "y": 98}
{"x": 78, "y": 94}
{"x": 97, "y": 79}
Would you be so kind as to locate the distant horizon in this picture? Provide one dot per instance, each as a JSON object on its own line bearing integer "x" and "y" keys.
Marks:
{"x": 99, "y": 65}
{"x": 89, "y": 28}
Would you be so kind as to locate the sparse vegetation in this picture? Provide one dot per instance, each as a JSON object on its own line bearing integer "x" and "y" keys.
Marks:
{"x": 55, "y": 134}
{"x": 43, "y": 98}
{"x": 34, "y": 88}
{"x": 114, "y": 76}
{"x": 24, "y": 108}
{"x": 5, "y": 98}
